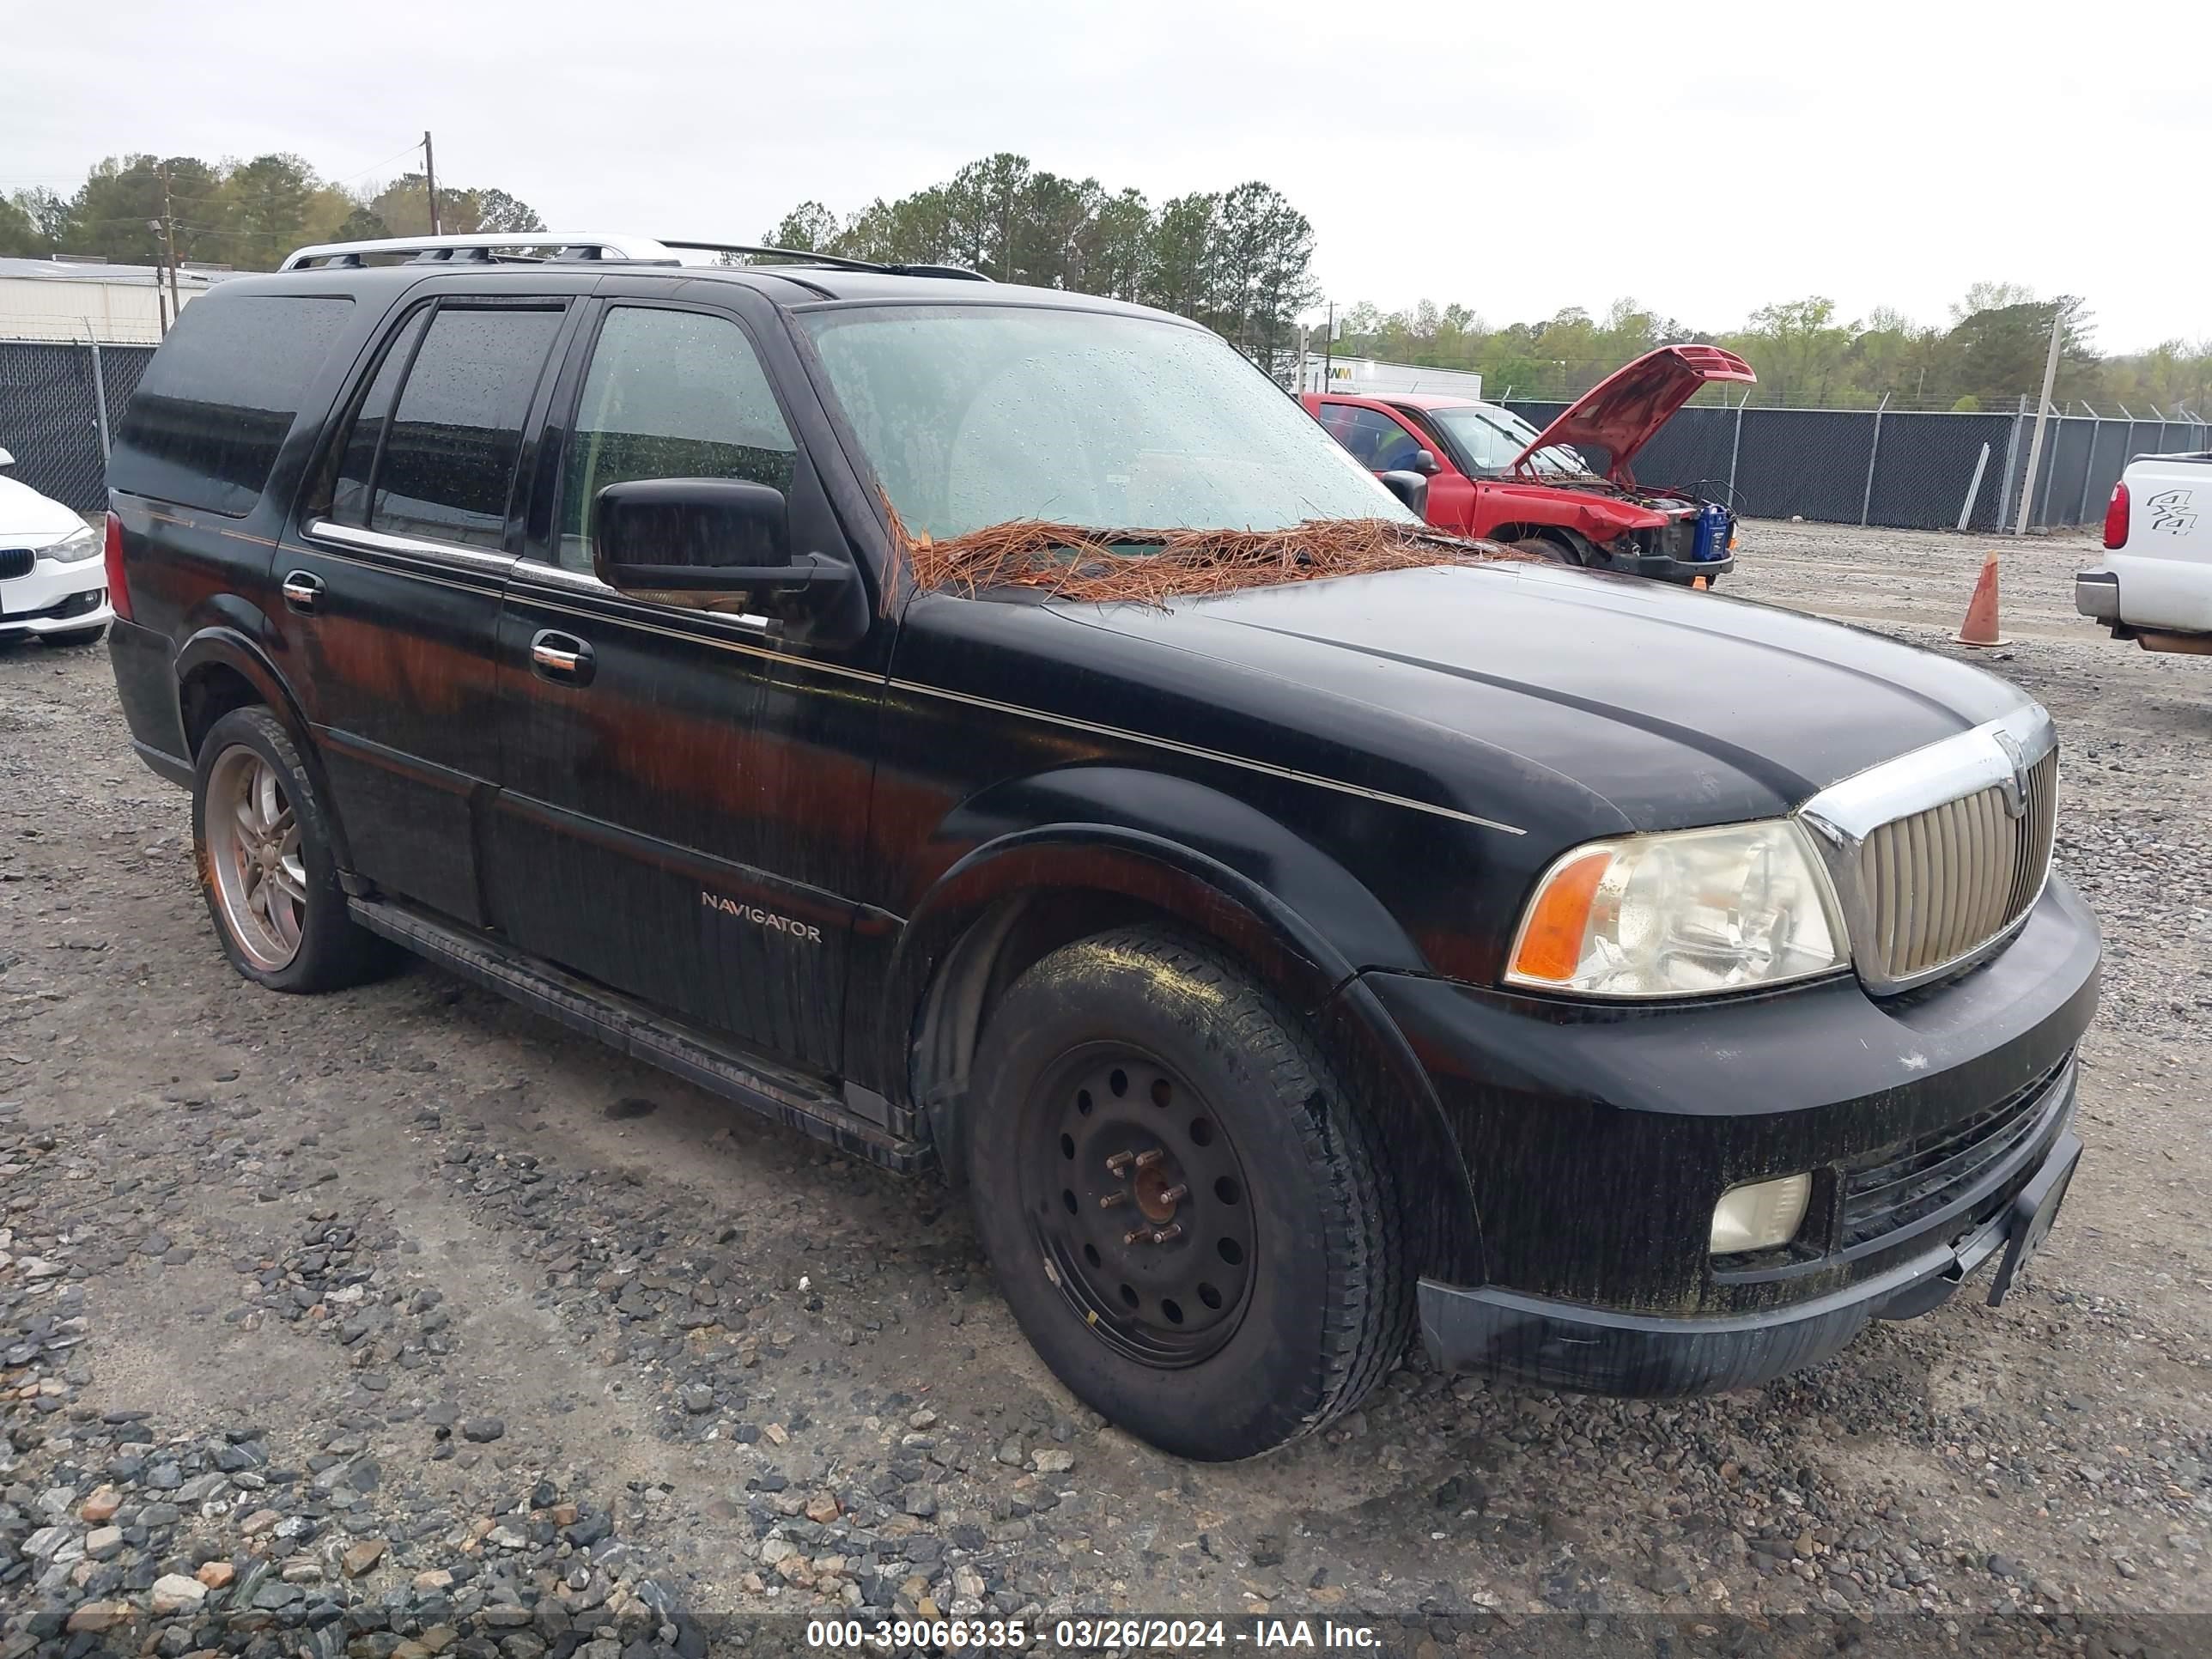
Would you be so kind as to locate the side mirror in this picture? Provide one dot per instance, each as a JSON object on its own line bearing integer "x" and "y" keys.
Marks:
{"x": 1410, "y": 488}
{"x": 1424, "y": 463}
{"x": 702, "y": 535}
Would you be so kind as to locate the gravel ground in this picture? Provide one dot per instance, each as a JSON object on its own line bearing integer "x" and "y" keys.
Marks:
{"x": 399, "y": 1322}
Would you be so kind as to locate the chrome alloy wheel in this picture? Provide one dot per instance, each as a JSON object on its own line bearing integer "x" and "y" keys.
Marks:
{"x": 253, "y": 854}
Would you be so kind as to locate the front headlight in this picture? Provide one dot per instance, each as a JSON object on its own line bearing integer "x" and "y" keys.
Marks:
{"x": 1681, "y": 914}
{"x": 81, "y": 545}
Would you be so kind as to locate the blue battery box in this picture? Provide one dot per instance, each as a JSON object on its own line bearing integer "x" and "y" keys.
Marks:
{"x": 1714, "y": 524}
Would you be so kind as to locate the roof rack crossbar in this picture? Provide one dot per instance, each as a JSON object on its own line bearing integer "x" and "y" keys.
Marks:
{"x": 486, "y": 246}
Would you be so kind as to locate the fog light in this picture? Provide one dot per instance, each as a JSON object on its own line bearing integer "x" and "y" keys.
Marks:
{"x": 1761, "y": 1216}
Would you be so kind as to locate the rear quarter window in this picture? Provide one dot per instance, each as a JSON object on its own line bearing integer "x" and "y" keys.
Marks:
{"x": 220, "y": 397}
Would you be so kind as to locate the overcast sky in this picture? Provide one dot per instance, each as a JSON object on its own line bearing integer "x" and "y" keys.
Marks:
{"x": 1704, "y": 157}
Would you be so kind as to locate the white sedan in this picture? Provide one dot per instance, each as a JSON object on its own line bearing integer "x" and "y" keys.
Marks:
{"x": 53, "y": 585}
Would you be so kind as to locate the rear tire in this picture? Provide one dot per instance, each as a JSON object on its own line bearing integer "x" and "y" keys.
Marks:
{"x": 261, "y": 841}
{"x": 1242, "y": 1281}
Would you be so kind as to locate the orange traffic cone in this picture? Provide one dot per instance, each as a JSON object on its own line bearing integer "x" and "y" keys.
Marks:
{"x": 1980, "y": 627}
{"x": 1699, "y": 583}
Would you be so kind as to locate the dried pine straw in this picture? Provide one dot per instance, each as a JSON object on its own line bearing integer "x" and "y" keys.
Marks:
{"x": 1150, "y": 567}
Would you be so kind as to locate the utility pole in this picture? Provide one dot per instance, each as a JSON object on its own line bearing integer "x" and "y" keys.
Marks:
{"x": 2042, "y": 415}
{"x": 161, "y": 294}
{"x": 430, "y": 179}
{"x": 1328, "y": 347}
{"x": 169, "y": 240}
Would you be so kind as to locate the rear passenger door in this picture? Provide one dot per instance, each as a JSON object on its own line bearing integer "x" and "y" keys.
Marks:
{"x": 389, "y": 587}
{"x": 684, "y": 811}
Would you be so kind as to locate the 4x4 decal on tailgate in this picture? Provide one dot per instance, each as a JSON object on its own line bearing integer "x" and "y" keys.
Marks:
{"x": 2170, "y": 511}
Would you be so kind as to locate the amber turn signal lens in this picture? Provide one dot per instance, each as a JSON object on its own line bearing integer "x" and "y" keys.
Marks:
{"x": 1551, "y": 944}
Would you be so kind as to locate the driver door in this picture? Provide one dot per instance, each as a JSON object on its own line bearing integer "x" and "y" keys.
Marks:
{"x": 684, "y": 810}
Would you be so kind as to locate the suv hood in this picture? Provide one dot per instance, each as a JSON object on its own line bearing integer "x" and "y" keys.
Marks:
{"x": 30, "y": 519}
{"x": 1621, "y": 412}
{"x": 1674, "y": 709}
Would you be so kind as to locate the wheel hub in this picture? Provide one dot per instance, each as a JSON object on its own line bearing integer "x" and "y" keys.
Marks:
{"x": 1140, "y": 1204}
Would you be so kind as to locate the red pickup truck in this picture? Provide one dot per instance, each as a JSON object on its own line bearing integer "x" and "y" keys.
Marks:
{"x": 1491, "y": 474}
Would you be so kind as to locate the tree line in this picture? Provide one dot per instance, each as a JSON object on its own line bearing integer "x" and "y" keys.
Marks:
{"x": 1988, "y": 354}
{"x": 246, "y": 215}
{"x": 1238, "y": 260}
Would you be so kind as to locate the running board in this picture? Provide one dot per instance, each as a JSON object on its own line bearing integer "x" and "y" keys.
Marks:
{"x": 790, "y": 1098}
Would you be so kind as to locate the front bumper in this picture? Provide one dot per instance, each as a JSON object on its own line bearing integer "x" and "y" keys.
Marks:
{"x": 55, "y": 597}
{"x": 1592, "y": 1351}
{"x": 1596, "y": 1141}
{"x": 1663, "y": 567}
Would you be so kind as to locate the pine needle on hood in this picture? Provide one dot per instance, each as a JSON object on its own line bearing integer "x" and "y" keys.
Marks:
{"x": 1150, "y": 567}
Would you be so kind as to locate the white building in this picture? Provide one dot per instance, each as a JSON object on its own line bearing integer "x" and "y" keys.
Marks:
{"x": 77, "y": 299}
{"x": 1365, "y": 377}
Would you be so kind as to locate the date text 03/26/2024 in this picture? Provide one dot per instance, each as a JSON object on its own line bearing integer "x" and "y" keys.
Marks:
{"x": 1114, "y": 1635}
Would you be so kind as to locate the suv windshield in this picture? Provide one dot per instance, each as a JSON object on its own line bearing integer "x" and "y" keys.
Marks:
{"x": 975, "y": 415}
{"x": 1492, "y": 436}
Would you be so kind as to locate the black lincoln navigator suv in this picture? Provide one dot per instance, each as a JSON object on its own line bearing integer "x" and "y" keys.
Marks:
{"x": 1641, "y": 988}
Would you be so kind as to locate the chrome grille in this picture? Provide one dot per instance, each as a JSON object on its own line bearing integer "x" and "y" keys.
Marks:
{"x": 15, "y": 562}
{"x": 1941, "y": 882}
{"x": 1936, "y": 856}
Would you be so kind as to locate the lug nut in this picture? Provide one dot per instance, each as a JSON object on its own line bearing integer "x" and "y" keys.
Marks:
{"x": 1147, "y": 1159}
{"x": 1111, "y": 1199}
{"x": 1120, "y": 1162}
{"x": 1173, "y": 1230}
{"x": 1174, "y": 1195}
{"x": 1137, "y": 1237}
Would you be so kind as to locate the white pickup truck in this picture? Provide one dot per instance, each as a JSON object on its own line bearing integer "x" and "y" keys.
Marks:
{"x": 2154, "y": 585}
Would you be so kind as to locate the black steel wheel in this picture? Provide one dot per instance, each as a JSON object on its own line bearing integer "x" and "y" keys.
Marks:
{"x": 1181, "y": 1203}
{"x": 1139, "y": 1202}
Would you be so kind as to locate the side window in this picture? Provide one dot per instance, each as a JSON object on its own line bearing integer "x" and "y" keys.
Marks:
{"x": 669, "y": 394}
{"x": 447, "y": 460}
{"x": 1376, "y": 442}
{"x": 356, "y": 463}
{"x": 220, "y": 397}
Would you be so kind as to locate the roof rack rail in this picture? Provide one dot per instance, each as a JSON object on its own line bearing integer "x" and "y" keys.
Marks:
{"x": 834, "y": 261}
{"x": 483, "y": 248}
{"x": 496, "y": 247}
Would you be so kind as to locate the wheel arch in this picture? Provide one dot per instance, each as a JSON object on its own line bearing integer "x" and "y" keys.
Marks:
{"x": 220, "y": 669}
{"x": 1015, "y": 898}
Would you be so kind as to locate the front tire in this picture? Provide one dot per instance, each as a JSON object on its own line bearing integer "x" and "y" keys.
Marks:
{"x": 261, "y": 839}
{"x": 1181, "y": 1203}
{"x": 1547, "y": 547}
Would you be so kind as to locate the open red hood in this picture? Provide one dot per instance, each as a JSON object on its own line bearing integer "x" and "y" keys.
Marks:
{"x": 1621, "y": 412}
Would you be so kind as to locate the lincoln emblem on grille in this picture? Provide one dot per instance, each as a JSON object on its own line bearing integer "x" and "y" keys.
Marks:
{"x": 2014, "y": 788}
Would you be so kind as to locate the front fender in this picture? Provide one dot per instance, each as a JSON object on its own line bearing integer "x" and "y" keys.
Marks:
{"x": 1261, "y": 887}
{"x": 1292, "y": 915}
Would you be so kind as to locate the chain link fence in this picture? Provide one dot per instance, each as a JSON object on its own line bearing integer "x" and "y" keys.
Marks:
{"x": 59, "y": 403}
{"x": 1912, "y": 470}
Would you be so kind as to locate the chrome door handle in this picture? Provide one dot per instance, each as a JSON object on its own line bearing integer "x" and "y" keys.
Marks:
{"x": 301, "y": 591}
{"x": 561, "y": 657}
